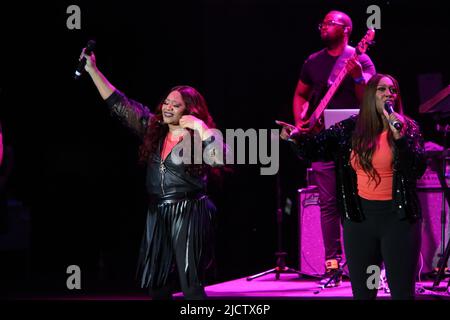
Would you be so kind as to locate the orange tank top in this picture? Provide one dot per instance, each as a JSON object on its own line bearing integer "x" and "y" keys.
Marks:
{"x": 382, "y": 162}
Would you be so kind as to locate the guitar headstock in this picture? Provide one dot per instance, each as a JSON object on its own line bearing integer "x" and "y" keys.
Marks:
{"x": 366, "y": 41}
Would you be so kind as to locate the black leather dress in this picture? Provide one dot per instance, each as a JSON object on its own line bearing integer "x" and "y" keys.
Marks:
{"x": 180, "y": 219}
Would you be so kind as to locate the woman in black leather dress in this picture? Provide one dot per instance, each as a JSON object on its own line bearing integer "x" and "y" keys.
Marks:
{"x": 178, "y": 236}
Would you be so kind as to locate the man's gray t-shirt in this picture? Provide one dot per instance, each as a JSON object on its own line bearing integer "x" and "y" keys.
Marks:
{"x": 315, "y": 72}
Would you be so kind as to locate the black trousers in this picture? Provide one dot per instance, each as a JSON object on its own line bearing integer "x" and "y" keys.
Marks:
{"x": 382, "y": 237}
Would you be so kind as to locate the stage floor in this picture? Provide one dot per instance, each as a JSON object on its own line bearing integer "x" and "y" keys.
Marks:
{"x": 288, "y": 287}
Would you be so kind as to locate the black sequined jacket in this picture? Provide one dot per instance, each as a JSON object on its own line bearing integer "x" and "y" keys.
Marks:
{"x": 335, "y": 144}
{"x": 165, "y": 178}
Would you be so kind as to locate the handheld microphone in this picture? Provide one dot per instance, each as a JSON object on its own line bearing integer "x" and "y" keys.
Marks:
{"x": 80, "y": 68}
{"x": 389, "y": 107}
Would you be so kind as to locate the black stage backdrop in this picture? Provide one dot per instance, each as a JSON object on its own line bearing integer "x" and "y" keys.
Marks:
{"x": 75, "y": 166}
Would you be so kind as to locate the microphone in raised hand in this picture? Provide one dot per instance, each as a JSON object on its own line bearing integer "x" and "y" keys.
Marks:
{"x": 82, "y": 63}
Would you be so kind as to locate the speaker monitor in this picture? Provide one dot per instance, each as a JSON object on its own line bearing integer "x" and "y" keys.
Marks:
{"x": 432, "y": 205}
{"x": 312, "y": 251}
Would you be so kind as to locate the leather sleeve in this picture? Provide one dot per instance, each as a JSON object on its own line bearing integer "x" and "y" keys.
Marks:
{"x": 133, "y": 114}
{"x": 324, "y": 145}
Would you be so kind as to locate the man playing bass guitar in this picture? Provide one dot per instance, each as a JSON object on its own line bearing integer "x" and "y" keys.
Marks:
{"x": 343, "y": 71}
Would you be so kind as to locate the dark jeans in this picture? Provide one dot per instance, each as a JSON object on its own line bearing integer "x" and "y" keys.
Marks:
{"x": 382, "y": 236}
{"x": 330, "y": 219}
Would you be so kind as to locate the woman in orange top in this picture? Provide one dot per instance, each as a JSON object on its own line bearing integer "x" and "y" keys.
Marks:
{"x": 379, "y": 156}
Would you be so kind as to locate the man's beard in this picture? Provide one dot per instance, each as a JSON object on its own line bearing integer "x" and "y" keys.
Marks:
{"x": 331, "y": 42}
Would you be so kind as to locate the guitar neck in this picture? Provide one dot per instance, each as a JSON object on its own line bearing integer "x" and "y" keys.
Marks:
{"x": 329, "y": 95}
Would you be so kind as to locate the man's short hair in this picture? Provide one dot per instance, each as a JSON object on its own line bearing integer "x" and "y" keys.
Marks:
{"x": 345, "y": 19}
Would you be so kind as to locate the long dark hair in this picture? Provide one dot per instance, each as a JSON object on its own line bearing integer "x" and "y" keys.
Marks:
{"x": 370, "y": 125}
{"x": 157, "y": 129}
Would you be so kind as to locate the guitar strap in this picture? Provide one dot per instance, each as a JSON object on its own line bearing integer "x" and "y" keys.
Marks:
{"x": 340, "y": 63}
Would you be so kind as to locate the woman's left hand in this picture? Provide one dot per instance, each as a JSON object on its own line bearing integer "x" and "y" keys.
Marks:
{"x": 194, "y": 123}
{"x": 395, "y": 117}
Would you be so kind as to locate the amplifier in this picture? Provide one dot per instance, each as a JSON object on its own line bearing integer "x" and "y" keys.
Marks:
{"x": 310, "y": 241}
{"x": 430, "y": 180}
{"x": 432, "y": 206}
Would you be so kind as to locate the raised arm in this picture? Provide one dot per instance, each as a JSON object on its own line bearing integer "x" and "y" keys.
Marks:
{"x": 104, "y": 87}
{"x": 134, "y": 114}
